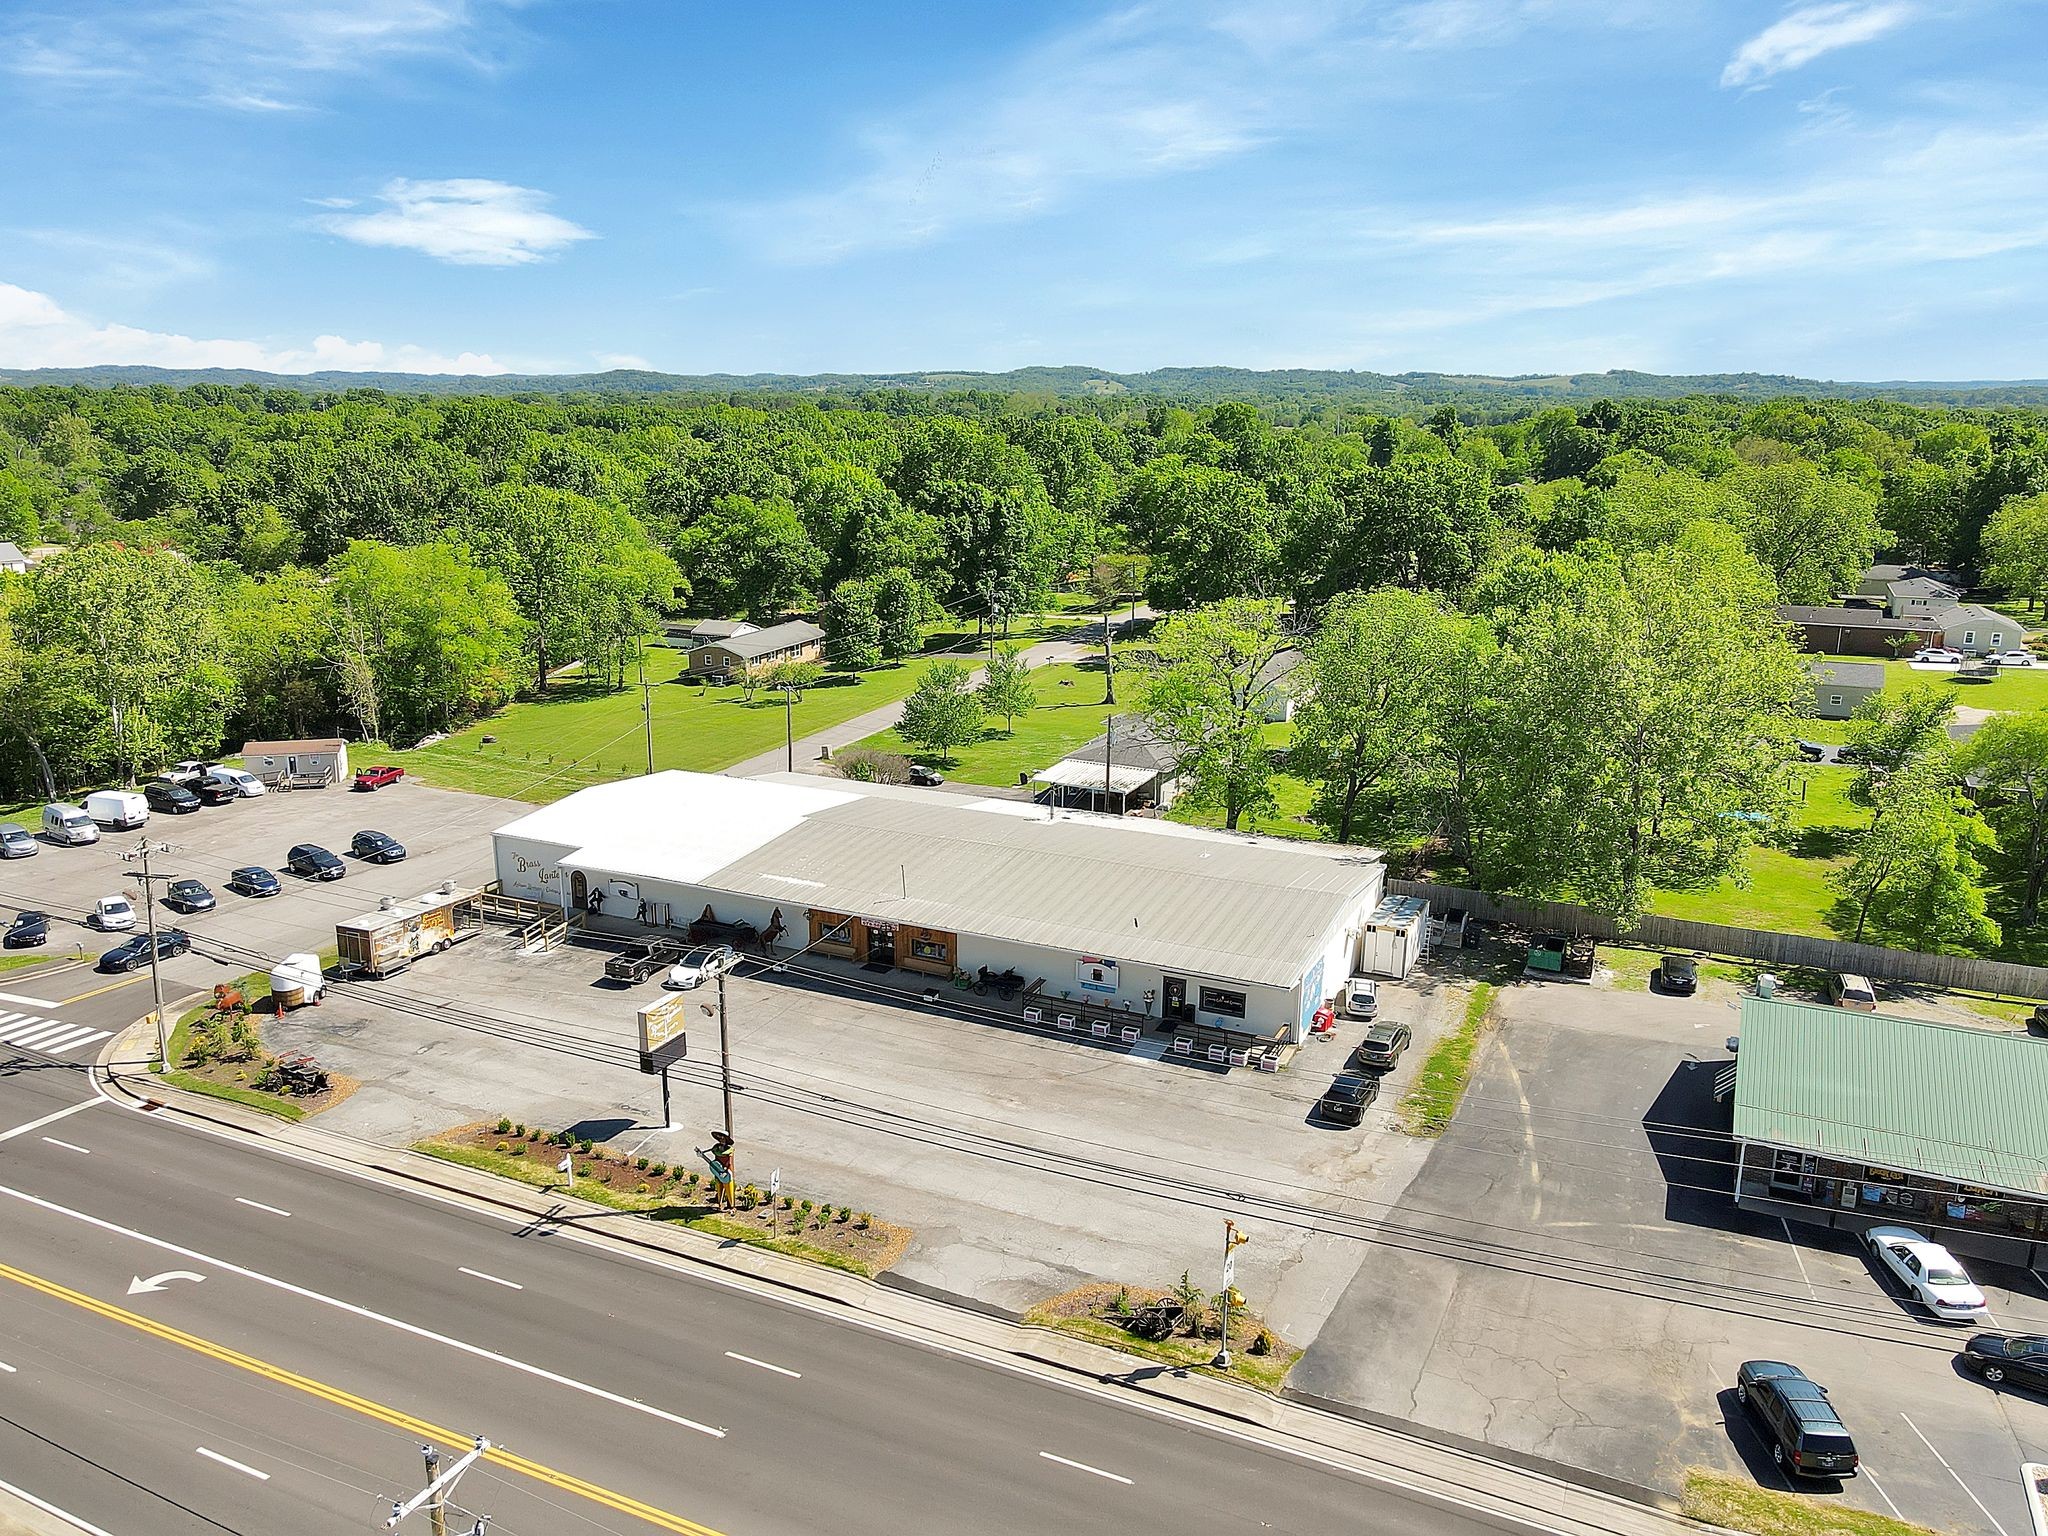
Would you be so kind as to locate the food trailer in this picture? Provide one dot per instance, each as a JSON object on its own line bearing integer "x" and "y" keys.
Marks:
{"x": 399, "y": 931}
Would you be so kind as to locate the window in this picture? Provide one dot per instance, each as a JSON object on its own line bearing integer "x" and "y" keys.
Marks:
{"x": 934, "y": 947}
{"x": 1835, "y": 699}
{"x": 1969, "y": 637}
{"x": 1216, "y": 1000}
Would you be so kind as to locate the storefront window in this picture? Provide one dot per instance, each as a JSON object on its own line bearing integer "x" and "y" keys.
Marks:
{"x": 937, "y": 950}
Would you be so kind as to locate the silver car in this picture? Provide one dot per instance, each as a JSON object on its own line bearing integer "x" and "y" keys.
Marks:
{"x": 15, "y": 841}
{"x": 1362, "y": 999}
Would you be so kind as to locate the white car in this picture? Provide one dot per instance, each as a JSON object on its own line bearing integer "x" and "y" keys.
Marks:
{"x": 698, "y": 966}
{"x": 1941, "y": 655}
{"x": 2011, "y": 658}
{"x": 1929, "y": 1271}
{"x": 113, "y": 914}
{"x": 247, "y": 785}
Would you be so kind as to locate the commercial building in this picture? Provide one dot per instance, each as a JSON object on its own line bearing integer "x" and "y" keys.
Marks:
{"x": 1142, "y": 919}
{"x": 1851, "y": 1120}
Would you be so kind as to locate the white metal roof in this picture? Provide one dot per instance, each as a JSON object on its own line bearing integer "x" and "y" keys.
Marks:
{"x": 1074, "y": 773}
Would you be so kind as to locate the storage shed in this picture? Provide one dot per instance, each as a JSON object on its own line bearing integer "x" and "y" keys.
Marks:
{"x": 1395, "y": 937}
{"x": 311, "y": 764}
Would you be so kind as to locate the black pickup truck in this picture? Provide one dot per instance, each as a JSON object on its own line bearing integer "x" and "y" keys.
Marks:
{"x": 642, "y": 958}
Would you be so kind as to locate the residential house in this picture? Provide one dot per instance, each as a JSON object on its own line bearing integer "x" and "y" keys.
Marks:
{"x": 1839, "y": 686}
{"x": 1129, "y": 767}
{"x": 724, "y": 660}
{"x": 12, "y": 558}
{"x": 1276, "y": 685}
{"x": 1858, "y": 631}
{"x": 1976, "y": 630}
{"x": 1919, "y": 597}
{"x": 688, "y": 634}
{"x": 1877, "y": 581}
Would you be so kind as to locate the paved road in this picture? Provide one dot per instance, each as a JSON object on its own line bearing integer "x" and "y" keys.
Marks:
{"x": 336, "y": 1322}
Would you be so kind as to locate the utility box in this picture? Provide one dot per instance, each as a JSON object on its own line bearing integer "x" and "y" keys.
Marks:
{"x": 1393, "y": 938}
{"x": 389, "y": 939}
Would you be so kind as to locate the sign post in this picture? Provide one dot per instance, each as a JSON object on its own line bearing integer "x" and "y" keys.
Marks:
{"x": 664, "y": 1040}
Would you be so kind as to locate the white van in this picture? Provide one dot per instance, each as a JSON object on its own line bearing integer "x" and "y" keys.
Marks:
{"x": 247, "y": 785}
{"x": 68, "y": 824}
{"x": 117, "y": 810}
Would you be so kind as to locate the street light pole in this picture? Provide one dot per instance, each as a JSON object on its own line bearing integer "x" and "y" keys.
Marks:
{"x": 142, "y": 851}
{"x": 647, "y": 709}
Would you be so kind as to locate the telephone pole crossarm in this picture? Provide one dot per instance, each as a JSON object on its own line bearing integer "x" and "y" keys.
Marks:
{"x": 429, "y": 1497}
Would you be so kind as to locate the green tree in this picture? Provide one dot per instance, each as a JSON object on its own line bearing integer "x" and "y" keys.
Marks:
{"x": 1915, "y": 880}
{"x": 750, "y": 559}
{"x": 903, "y": 606}
{"x": 943, "y": 711}
{"x": 1814, "y": 533}
{"x": 1006, "y": 686}
{"x": 1427, "y": 525}
{"x": 1212, "y": 533}
{"x": 1113, "y": 576}
{"x": 853, "y": 628}
{"x": 2015, "y": 544}
{"x": 1205, "y": 696}
{"x": 1002, "y": 536}
{"x": 2008, "y": 760}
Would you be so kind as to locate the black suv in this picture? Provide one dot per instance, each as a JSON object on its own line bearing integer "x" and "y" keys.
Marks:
{"x": 642, "y": 958}
{"x": 170, "y": 943}
{"x": 376, "y": 848}
{"x": 1805, "y": 1434}
{"x": 1381, "y": 1047}
{"x": 314, "y": 862}
{"x": 1344, "y": 1102}
{"x": 169, "y": 798}
{"x": 2015, "y": 1357}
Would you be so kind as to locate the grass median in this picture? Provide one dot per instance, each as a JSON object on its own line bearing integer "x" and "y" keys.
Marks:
{"x": 1430, "y": 1104}
{"x": 1740, "y": 1505}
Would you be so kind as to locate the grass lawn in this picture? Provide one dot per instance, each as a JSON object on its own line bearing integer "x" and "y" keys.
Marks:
{"x": 1738, "y": 1504}
{"x": 1070, "y": 712}
{"x": 2014, "y": 687}
{"x": 582, "y": 735}
{"x": 1429, "y": 1105}
{"x": 225, "y": 1080}
{"x": 1786, "y": 885}
{"x": 1294, "y": 796}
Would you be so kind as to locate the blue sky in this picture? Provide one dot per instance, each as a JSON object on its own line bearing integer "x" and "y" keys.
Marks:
{"x": 1848, "y": 189}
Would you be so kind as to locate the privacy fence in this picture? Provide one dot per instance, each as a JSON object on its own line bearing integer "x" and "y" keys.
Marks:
{"x": 1784, "y": 950}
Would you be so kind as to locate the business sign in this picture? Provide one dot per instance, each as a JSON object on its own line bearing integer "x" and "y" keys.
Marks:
{"x": 1311, "y": 995}
{"x": 1096, "y": 975}
{"x": 664, "y": 1037}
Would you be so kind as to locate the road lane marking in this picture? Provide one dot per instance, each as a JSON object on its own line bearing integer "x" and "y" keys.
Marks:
{"x": 1082, "y": 1466}
{"x": 16, "y": 997}
{"x": 229, "y": 1461}
{"x": 1872, "y": 1480}
{"x": 49, "y": 1119}
{"x": 258, "y": 1205}
{"x": 4, "y": 1366}
{"x": 68, "y": 1146}
{"x": 72, "y": 1036}
{"x": 422, "y": 1429}
{"x": 27, "y": 1034}
{"x": 780, "y": 1370}
{"x": 1951, "y": 1471}
{"x": 65, "y": 1002}
{"x": 510, "y": 1285}
{"x": 1793, "y": 1243}
{"x": 477, "y": 1351}
{"x": 53, "y": 1511}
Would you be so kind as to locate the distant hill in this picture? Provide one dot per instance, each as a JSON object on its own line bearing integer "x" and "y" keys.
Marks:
{"x": 1194, "y": 386}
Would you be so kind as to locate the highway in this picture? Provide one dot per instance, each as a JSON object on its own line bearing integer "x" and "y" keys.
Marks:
{"x": 199, "y": 1334}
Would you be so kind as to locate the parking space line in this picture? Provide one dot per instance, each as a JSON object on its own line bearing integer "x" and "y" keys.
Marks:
{"x": 1082, "y": 1466}
{"x": 1951, "y": 1471}
{"x": 1793, "y": 1243}
{"x": 1871, "y": 1478}
{"x": 68, "y": 1146}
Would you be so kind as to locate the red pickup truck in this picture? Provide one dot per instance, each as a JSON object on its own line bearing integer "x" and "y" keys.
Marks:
{"x": 378, "y": 777}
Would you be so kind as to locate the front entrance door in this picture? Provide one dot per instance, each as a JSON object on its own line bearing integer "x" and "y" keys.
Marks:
{"x": 579, "y": 890}
{"x": 1174, "y": 1001}
{"x": 881, "y": 946}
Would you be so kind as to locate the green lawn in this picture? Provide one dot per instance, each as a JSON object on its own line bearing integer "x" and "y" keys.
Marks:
{"x": 581, "y": 735}
{"x": 2014, "y": 687}
{"x": 1786, "y": 885}
{"x": 1070, "y": 712}
{"x": 1290, "y": 820}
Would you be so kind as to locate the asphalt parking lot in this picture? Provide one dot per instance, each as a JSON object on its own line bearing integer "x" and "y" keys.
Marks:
{"x": 1605, "y": 1288}
{"x": 1026, "y": 1162}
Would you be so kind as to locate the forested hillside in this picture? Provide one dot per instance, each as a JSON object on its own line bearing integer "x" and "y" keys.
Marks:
{"x": 239, "y": 560}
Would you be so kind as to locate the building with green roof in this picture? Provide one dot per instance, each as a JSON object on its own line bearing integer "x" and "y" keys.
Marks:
{"x": 1851, "y": 1119}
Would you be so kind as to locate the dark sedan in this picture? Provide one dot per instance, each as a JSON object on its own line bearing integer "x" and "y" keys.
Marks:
{"x": 376, "y": 848}
{"x": 1678, "y": 975}
{"x": 170, "y": 943}
{"x": 169, "y": 798}
{"x": 1345, "y": 1101}
{"x": 2020, "y": 1358}
{"x": 1382, "y": 1047}
{"x": 314, "y": 862}
{"x": 253, "y": 880}
{"x": 28, "y": 930}
{"x": 188, "y": 896}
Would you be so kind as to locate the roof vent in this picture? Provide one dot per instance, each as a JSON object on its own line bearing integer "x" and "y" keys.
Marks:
{"x": 385, "y": 903}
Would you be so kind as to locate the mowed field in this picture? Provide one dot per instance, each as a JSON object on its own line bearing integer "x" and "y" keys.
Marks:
{"x": 1785, "y": 884}
{"x": 2019, "y": 688}
{"x": 1070, "y": 711}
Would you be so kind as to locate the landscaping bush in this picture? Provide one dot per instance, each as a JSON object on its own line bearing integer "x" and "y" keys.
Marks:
{"x": 504, "y": 1124}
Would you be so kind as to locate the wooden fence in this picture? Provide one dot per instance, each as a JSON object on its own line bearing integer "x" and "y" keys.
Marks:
{"x": 2003, "y": 978}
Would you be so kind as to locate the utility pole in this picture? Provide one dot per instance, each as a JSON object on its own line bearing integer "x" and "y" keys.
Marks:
{"x": 1232, "y": 1241}
{"x": 647, "y": 708}
{"x": 432, "y": 1498}
{"x": 141, "y": 851}
{"x": 725, "y": 1079}
{"x": 1108, "y": 749}
{"x": 788, "y": 737}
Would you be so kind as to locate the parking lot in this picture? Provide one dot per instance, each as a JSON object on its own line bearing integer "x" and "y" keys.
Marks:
{"x": 1606, "y": 1288}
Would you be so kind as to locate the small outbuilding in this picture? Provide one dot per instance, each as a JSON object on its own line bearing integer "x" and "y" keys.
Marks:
{"x": 1129, "y": 767}
{"x": 1840, "y": 686}
{"x": 13, "y": 558}
{"x": 1395, "y": 937}
{"x": 311, "y": 764}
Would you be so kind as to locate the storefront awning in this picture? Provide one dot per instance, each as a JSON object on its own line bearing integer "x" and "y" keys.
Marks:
{"x": 1074, "y": 773}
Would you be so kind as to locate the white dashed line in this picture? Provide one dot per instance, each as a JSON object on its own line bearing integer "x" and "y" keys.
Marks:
{"x": 4, "y": 1366}
{"x": 1082, "y": 1466}
{"x": 229, "y": 1461}
{"x": 780, "y": 1370}
{"x": 258, "y": 1205}
{"x": 510, "y": 1285}
{"x": 68, "y": 1146}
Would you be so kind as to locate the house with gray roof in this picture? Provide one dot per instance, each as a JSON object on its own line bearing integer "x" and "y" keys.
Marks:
{"x": 1976, "y": 630}
{"x": 1130, "y": 766}
{"x": 723, "y": 660}
{"x": 12, "y": 558}
{"x": 1839, "y": 686}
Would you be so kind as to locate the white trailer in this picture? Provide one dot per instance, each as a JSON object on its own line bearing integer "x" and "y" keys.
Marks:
{"x": 1394, "y": 937}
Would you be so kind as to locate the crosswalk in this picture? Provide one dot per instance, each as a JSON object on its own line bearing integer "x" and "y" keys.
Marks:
{"x": 52, "y": 1037}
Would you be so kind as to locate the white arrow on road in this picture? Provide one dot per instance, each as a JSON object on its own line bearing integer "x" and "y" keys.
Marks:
{"x": 161, "y": 1282}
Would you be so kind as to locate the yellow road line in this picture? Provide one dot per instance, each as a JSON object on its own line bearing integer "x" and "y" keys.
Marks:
{"x": 419, "y": 1428}
{"x": 112, "y": 986}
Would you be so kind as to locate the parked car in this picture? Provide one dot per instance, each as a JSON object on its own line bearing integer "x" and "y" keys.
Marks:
{"x": 1854, "y": 752}
{"x": 1806, "y": 1436}
{"x": 2037, "y": 1021}
{"x": 377, "y": 776}
{"x": 1847, "y": 990}
{"x": 117, "y": 810}
{"x": 169, "y": 798}
{"x": 696, "y": 966}
{"x": 376, "y": 848}
{"x": 1382, "y": 1047}
{"x": 170, "y": 943}
{"x": 69, "y": 825}
{"x": 1939, "y": 653}
{"x": 642, "y": 958}
{"x": 2011, "y": 659}
{"x": 314, "y": 862}
{"x": 188, "y": 896}
{"x": 1677, "y": 974}
{"x": 1812, "y": 751}
{"x": 247, "y": 785}
{"x": 2003, "y": 1357}
{"x": 213, "y": 791}
{"x": 1344, "y": 1101}
{"x": 253, "y": 880}
{"x": 112, "y": 914}
{"x": 1929, "y": 1271}
{"x": 15, "y": 841}
{"x": 1362, "y": 998}
{"x": 27, "y": 931}
{"x": 928, "y": 778}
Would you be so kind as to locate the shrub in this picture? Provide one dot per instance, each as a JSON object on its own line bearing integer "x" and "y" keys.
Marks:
{"x": 1120, "y": 1303}
{"x": 863, "y": 1221}
{"x": 584, "y": 1146}
{"x": 845, "y": 1214}
{"x": 789, "y": 1202}
{"x": 504, "y": 1146}
{"x": 534, "y": 1134}
{"x": 504, "y": 1124}
{"x": 805, "y": 1208}
{"x": 693, "y": 1179}
{"x": 659, "y": 1170}
{"x": 1262, "y": 1343}
{"x": 640, "y": 1188}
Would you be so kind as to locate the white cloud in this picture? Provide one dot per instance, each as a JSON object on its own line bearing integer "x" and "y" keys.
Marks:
{"x": 1803, "y": 35}
{"x": 37, "y": 332}
{"x": 467, "y": 221}
{"x": 624, "y": 360}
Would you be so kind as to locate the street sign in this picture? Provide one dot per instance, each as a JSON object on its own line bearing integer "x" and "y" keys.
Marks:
{"x": 664, "y": 1037}
{"x": 775, "y": 1183}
